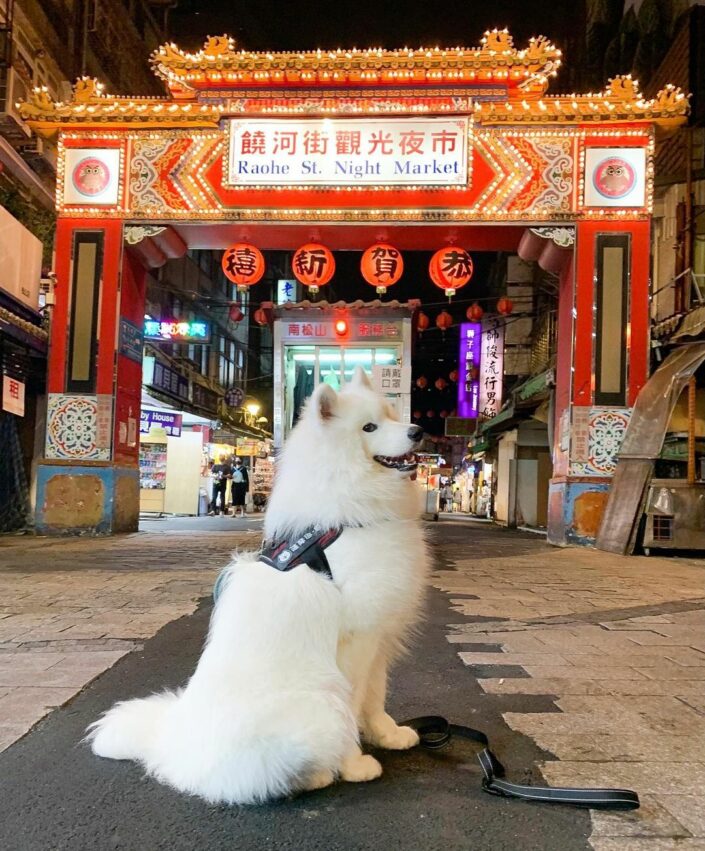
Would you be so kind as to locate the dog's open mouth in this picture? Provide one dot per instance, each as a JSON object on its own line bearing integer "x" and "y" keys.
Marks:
{"x": 405, "y": 463}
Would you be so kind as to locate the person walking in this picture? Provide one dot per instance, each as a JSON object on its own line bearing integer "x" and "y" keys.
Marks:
{"x": 240, "y": 487}
{"x": 221, "y": 472}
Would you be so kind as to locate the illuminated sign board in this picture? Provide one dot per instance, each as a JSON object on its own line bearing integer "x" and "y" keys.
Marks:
{"x": 348, "y": 152}
{"x": 177, "y": 331}
{"x": 469, "y": 368}
{"x": 492, "y": 368}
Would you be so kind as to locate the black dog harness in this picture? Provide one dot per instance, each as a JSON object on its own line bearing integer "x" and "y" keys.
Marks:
{"x": 308, "y": 549}
{"x": 434, "y": 731}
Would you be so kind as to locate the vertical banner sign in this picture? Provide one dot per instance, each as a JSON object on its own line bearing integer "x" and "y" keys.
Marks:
{"x": 469, "y": 364}
{"x": 491, "y": 367}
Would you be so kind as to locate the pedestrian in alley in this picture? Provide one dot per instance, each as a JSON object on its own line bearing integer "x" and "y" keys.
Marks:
{"x": 240, "y": 487}
{"x": 446, "y": 497}
{"x": 221, "y": 472}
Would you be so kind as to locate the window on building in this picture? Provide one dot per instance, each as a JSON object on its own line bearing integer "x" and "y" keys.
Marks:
{"x": 612, "y": 318}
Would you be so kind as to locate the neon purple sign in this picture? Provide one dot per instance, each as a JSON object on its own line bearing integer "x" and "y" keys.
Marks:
{"x": 469, "y": 369}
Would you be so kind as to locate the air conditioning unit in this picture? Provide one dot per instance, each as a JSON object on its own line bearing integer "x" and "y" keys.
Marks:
{"x": 12, "y": 89}
{"x": 42, "y": 154}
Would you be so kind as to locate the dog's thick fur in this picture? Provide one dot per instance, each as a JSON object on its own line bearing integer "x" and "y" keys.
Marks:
{"x": 294, "y": 670}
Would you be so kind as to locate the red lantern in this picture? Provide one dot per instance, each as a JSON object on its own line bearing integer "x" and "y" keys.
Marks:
{"x": 450, "y": 269}
{"x": 443, "y": 414}
{"x": 422, "y": 382}
{"x": 260, "y": 316}
{"x": 243, "y": 264}
{"x": 422, "y": 321}
{"x": 453, "y": 375}
{"x": 234, "y": 313}
{"x": 381, "y": 266}
{"x": 475, "y": 312}
{"x": 505, "y": 306}
{"x": 417, "y": 415}
{"x": 313, "y": 265}
{"x": 444, "y": 320}
{"x": 430, "y": 414}
{"x": 441, "y": 384}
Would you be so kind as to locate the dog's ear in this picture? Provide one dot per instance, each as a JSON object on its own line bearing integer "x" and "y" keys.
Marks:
{"x": 325, "y": 401}
{"x": 361, "y": 379}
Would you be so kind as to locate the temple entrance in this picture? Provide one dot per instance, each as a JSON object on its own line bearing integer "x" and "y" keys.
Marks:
{"x": 422, "y": 150}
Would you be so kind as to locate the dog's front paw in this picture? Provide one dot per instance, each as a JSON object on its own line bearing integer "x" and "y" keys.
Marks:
{"x": 360, "y": 768}
{"x": 395, "y": 738}
{"x": 318, "y": 780}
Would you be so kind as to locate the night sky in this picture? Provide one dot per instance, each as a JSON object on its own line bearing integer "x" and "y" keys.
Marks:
{"x": 307, "y": 24}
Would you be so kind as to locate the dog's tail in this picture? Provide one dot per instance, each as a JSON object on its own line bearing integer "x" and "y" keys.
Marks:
{"x": 130, "y": 729}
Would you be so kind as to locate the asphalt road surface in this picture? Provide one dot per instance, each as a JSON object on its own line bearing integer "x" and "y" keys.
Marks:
{"x": 55, "y": 795}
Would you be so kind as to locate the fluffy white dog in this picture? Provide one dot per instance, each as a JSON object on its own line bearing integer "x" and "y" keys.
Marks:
{"x": 294, "y": 670}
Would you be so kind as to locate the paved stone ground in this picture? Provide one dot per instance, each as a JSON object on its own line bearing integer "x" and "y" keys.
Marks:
{"x": 70, "y": 608}
{"x": 620, "y": 645}
{"x": 599, "y": 660}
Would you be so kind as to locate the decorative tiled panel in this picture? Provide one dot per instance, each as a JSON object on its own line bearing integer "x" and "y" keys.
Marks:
{"x": 78, "y": 427}
{"x": 606, "y": 428}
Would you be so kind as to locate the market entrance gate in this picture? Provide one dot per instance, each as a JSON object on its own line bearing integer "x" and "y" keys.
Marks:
{"x": 418, "y": 147}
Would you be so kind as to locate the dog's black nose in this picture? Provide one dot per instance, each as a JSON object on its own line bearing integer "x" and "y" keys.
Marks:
{"x": 415, "y": 433}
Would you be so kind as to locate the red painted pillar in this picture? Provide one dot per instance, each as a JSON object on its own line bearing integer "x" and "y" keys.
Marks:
{"x": 602, "y": 364}
{"x": 88, "y": 480}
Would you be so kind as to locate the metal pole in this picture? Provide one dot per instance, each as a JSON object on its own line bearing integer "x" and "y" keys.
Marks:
{"x": 691, "y": 430}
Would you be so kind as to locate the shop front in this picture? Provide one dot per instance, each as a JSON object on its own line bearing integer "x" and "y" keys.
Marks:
{"x": 325, "y": 343}
{"x": 418, "y": 149}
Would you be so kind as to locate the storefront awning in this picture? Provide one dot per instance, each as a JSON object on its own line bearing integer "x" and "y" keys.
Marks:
{"x": 692, "y": 325}
{"x": 642, "y": 444}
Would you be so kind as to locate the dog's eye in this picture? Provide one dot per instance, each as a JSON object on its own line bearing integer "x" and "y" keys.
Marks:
{"x": 369, "y": 427}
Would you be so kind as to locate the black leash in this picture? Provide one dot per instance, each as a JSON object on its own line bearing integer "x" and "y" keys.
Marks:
{"x": 435, "y": 732}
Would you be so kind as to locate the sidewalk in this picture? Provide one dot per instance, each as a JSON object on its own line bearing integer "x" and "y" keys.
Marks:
{"x": 70, "y": 608}
{"x": 619, "y": 643}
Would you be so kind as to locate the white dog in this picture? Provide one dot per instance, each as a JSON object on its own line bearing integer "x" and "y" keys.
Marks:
{"x": 295, "y": 666}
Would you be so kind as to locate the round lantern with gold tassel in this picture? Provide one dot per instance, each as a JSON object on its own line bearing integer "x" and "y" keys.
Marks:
{"x": 260, "y": 316}
{"x": 440, "y": 383}
{"x": 381, "y": 266}
{"x": 450, "y": 269}
{"x": 243, "y": 264}
{"x": 422, "y": 382}
{"x": 235, "y": 314}
{"x": 422, "y": 321}
{"x": 313, "y": 264}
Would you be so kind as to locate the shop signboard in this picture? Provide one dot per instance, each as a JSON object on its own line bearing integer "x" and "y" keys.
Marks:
{"x": 580, "y": 435}
{"x": 348, "y": 152}
{"x": 491, "y": 367}
{"x": 358, "y": 331}
{"x": 287, "y": 291}
{"x": 131, "y": 341}
{"x": 469, "y": 368}
{"x": 234, "y": 397}
{"x": 177, "y": 331}
{"x": 171, "y": 423}
{"x": 13, "y": 395}
{"x": 169, "y": 381}
{"x": 460, "y": 426}
{"x": 391, "y": 379}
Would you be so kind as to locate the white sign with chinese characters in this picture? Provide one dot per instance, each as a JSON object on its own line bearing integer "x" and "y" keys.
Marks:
{"x": 287, "y": 291}
{"x": 348, "y": 152}
{"x": 13, "y": 396}
{"x": 391, "y": 379}
{"x": 491, "y": 367}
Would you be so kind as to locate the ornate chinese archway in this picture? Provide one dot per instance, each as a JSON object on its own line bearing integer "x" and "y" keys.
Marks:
{"x": 440, "y": 145}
